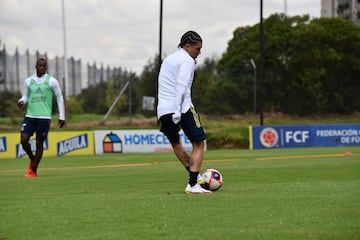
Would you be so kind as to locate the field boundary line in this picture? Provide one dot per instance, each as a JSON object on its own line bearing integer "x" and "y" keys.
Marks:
{"x": 301, "y": 156}
{"x": 86, "y": 167}
{"x": 111, "y": 166}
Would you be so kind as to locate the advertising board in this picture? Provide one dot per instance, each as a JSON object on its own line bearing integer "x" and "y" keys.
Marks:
{"x": 293, "y": 136}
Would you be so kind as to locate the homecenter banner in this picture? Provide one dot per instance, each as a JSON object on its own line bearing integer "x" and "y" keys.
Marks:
{"x": 329, "y": 135}
{"x": 127, "y": 141}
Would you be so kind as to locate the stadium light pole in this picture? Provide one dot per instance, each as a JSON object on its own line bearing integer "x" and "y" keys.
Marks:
{"x": 261, "y": 67}
{"x": 66, "y": 79}
{"x": 160, "y": 50}
{"x": 160, "y": 33}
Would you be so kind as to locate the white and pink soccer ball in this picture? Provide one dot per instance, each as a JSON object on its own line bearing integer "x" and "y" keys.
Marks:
{"x": 213, "y": 179}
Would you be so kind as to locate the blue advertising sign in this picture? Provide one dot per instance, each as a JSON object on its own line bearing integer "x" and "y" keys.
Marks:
{"x": 293, "y": 136}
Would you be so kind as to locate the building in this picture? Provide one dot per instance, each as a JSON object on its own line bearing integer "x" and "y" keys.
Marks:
{"x": 347, "y": 9}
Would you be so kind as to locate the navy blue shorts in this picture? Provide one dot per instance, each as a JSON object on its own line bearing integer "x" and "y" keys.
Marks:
{"x": 40, "y": 126}
{"x": 190, "y": 124}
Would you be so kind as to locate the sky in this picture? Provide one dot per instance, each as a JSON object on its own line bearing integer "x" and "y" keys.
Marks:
{"x": 125, "y": 33}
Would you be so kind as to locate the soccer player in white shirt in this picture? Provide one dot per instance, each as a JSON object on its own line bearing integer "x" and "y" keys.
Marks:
{"x": 176, "y": 111}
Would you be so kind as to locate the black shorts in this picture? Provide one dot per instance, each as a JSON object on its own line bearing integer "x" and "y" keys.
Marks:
{"x": 40, "y": 126}
{"x": 189, "y": 123}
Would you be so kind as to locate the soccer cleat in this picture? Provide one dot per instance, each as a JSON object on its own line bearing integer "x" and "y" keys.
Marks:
{"x": 30, "y": 166}
{"x": 30, "y": 174}
{"x": 196, "y": 189}
{"x": 200, "y": 180}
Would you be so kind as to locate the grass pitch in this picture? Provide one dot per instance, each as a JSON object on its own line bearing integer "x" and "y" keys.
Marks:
{"x": 267, "y": 194}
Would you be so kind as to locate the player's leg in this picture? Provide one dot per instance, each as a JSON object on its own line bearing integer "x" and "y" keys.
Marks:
{"x": 197, "y": 156}
{"x": 183, "y": 156}
{"x": 192, "y": 128}
{"x": 43, "y": 126}
{"x": 171, "y": 131}
{"x": 38, "y": 153}
{"x": 27, "y": 130}
{"x": 24, "y": 139}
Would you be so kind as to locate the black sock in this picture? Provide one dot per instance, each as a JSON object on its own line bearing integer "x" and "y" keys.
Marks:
{"x": 187, "y": 168}
{"x": 193, "y": 178}
{"x": 34, "y": 169}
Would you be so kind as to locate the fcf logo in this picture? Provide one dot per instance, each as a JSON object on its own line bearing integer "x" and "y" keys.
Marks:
{"x": 269, "y": 137}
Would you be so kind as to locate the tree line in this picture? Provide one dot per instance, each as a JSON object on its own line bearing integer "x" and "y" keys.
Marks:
{"x": 310, "y": 67}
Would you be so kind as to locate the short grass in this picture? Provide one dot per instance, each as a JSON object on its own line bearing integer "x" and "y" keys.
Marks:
{"x": 267, "y": 194}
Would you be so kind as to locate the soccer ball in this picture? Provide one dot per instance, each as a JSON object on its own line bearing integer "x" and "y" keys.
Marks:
{"x": 213, "y": 179}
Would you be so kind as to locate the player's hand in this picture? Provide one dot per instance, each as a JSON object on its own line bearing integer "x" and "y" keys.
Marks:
{"x": 20, "y": 104}
{"x": 61, "y": 123}
{"x": 176, "y": 117}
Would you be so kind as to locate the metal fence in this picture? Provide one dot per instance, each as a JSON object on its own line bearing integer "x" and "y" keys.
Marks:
{"x": 14, "y": 69}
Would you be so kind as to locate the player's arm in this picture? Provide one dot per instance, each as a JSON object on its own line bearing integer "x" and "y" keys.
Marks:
{"x": 59, "y": 100}
{"x": 25, "y": 95}
{"x": 182, "y": 82}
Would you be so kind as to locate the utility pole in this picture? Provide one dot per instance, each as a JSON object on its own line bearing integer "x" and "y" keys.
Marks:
{"x": 160, "y": 32}
{"x": 261, "y": 70}
{"x": 66, "y": 79}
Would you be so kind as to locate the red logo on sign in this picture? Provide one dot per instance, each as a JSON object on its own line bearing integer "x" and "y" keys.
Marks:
{"x": 269, "y": 137}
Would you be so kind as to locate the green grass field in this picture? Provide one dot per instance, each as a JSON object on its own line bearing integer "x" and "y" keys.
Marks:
{"x": 267, "y": 194}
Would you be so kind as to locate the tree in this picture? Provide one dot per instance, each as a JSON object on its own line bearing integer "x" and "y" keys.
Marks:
{"x": 234, "y": 83}
{"x": 325, "y": 66}
{"x": 8, "y": 106}
{"x": 91, "y": 99}
{"x": 310, "y": 67}
{"x": 147, "y": 85}
{"x": 204, "y": 77}
{"x": 98, "y": 98}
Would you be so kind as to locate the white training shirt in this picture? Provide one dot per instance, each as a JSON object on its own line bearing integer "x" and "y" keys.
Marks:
{"x": 54, "y": 84}
{"x": 175, "y": 80}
